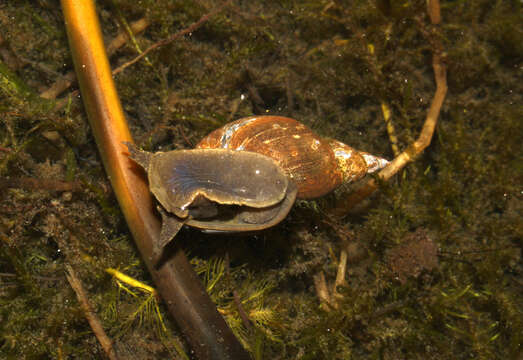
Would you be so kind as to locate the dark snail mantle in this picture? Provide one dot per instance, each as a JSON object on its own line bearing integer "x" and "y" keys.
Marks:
{"x": 215, "y": 189}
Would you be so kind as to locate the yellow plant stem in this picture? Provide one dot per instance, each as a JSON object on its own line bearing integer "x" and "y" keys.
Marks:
{"x": 130, "y": 281}
{"x": 385, "y": 109}
{"x": 176, "y": 281}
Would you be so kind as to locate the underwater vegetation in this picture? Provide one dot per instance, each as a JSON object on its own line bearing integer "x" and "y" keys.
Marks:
{"x": 433, "y": 259}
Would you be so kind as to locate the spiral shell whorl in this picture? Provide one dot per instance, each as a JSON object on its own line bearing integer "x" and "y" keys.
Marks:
{"x": 351, "y": 163}
{"x": 316, "y": 165}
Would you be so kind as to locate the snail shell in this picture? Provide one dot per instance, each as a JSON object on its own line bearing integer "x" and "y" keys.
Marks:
{"x": 317, "y": 165}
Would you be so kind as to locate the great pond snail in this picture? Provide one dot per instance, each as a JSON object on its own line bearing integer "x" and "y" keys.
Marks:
{"x": 246, "y": 175}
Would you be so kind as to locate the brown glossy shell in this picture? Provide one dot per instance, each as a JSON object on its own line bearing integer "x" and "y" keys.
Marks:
{"x": 315, "y": 164}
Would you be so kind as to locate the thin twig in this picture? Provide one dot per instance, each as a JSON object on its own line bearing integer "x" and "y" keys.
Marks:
{"x": 40, "y": 184}
{"x": 322, "y": 291}
{"x": 93, "y": 320}
{"x": 65, "y": 81}
{"x": 173, "y": 37}
{"x": 241, "y": 311}
{"x": 385, "y": 108}
{"x": 127, "y": 34}
{"x": 342, "y": 269}
{"x": 425, "y": 137}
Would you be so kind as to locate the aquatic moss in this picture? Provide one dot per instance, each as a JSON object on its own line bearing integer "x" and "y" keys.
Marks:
{"x": 331, "y": 66}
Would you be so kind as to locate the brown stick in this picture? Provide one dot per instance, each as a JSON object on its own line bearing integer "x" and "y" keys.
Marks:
{"x": 425, "y": 137}
{"x": 173, "y": 37}
{"x": 176, "y": 281}
{"x": 322, "y": 291}
{"x": 342, "y": 270}
{"x": 93, "y": 320}
{"x": 434, "y": 11}
{"x": 40, "y": 184}
{"x": 66, "y": 80}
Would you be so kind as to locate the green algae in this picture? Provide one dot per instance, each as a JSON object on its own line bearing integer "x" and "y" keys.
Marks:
{"x": 305, "y": 59}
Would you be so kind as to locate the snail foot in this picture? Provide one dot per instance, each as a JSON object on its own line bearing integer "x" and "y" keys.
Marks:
{"x": 170, "y": 227}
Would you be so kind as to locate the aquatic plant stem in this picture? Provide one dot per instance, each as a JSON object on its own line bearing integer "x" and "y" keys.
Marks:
{"x": 176, "y": 281}
{"x": 423, "y": 141}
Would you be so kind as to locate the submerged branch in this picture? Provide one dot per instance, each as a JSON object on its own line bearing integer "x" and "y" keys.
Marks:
{"x": 93, "y": 320}
{"x": 425, "y": 137}
{"x": 176, "y": 281}
{"x": 173, "y": 37}
{"x": 65, "y": 81}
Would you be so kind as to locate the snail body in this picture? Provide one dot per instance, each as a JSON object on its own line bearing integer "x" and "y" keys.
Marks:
{"x": 215, "y": 189}
{"x": 182, "y": 179}
{"x": 317, "y": 165}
